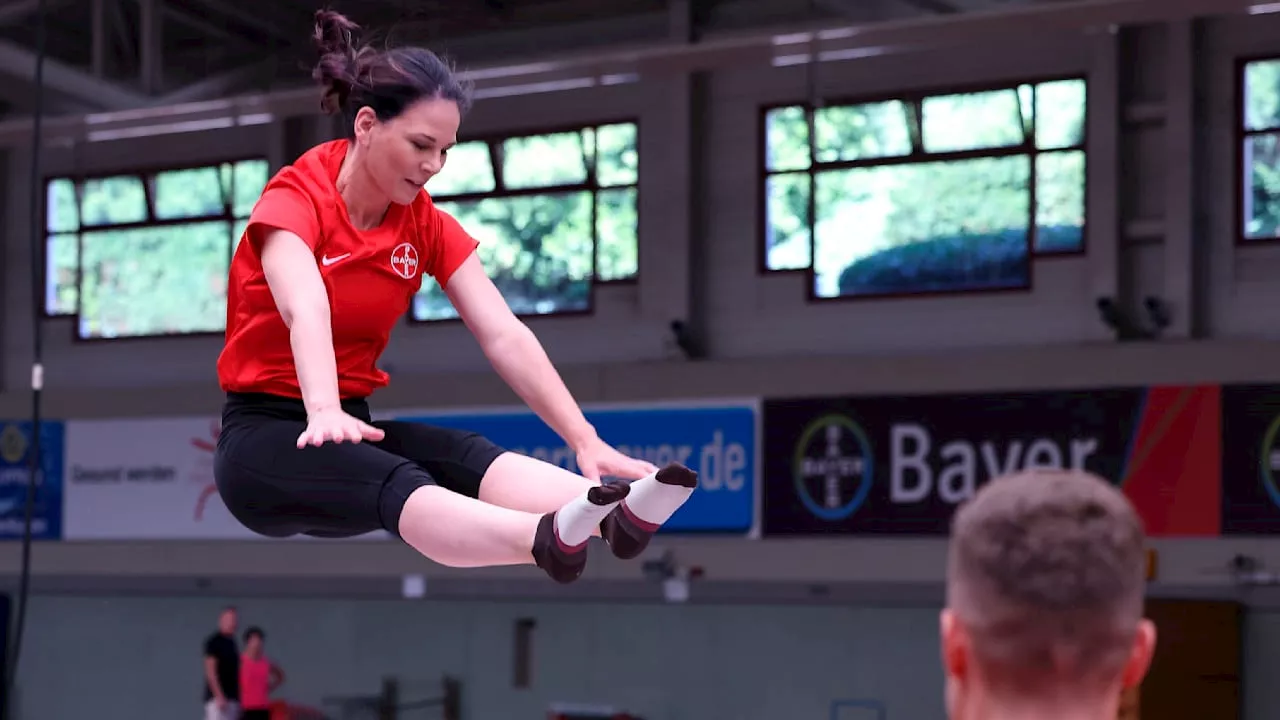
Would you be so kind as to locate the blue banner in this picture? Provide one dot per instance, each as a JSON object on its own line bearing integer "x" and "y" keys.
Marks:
{"x": 15, "y": 471}
{"x": 718, "y": 442}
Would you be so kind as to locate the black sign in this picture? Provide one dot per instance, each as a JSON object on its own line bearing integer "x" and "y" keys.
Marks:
{"x": 900, "y": 465}
{"x": 1250, "y": 459}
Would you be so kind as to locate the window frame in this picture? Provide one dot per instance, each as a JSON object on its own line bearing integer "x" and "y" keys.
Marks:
{"x": 493, "y": 138}
{"x": 146, "y": 173}
{"x": 917, "y": 157}
{"x": 1240, "y": 134}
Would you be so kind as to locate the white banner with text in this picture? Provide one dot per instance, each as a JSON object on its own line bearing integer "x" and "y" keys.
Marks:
{"x": 144, "y": 479}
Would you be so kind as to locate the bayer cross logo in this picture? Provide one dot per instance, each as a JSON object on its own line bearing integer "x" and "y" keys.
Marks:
{"x": 833, "y": 467}
{"x": 404, "y": 260}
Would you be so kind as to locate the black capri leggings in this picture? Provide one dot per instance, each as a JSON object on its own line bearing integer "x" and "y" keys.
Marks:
{"x": 335, "y": 490}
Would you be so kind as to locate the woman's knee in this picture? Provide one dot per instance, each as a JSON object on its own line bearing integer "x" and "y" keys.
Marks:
{"x": 400, "y": 485}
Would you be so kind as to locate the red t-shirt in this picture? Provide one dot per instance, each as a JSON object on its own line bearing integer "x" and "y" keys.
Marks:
{"x": 255, "y": 683}
{"x": 371, "y": 277}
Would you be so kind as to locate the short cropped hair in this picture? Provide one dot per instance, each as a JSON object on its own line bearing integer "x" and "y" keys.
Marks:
{"x": 1046, "y": 573}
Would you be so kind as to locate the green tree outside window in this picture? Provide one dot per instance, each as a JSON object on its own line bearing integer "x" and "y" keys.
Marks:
{"x": 134, "y": 255}
{"x": 935, "y": 193}
{"x": 554, "y": 213}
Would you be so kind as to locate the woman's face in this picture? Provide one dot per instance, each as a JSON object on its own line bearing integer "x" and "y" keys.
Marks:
{"x": 406, "y": 151}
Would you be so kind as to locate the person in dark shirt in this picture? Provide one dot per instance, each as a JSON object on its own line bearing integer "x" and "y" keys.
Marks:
{"x": 222, "y": 670}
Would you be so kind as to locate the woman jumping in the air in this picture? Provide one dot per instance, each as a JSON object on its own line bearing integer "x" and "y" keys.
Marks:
{"x": 331, "y": 258}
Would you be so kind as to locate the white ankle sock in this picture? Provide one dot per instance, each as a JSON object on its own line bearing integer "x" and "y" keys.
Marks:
{"x": 579, "y": 518}
{"x": 653, "y": 501}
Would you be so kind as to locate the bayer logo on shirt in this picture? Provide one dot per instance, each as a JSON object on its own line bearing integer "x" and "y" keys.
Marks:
{"x": 404, "y": 260}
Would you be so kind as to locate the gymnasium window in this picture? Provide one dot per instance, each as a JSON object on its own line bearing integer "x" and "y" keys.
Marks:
{"x": 1260, "y": 151}
{"x": 146, "y": 254}
{"x": 923, "y": 194}
{"x": 555, "y": 214}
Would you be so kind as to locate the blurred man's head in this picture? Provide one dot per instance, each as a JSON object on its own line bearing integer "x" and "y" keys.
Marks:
{"x": 227, "y": 621}
{"x": 1045, "y": 586}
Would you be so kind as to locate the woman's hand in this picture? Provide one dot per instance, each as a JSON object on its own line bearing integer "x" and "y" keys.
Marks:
{"x": 336, "y": 425}
{"x": 597, "y": 458}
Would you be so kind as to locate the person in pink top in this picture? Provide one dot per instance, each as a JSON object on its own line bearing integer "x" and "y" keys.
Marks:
{"x": 259, "y": 677}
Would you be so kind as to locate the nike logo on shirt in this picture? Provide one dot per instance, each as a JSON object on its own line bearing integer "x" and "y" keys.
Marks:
{"x": 327, "y": 261}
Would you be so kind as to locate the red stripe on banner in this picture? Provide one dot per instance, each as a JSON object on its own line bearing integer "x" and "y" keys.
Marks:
{"x": 1173, "y": 476}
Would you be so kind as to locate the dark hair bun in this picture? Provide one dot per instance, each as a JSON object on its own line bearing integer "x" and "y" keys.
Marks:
{"x": 334, "y": 36}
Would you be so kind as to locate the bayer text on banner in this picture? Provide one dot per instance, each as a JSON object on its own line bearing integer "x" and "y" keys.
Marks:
{"x": 717, "y": 441}
{"x": 884, "y": 465}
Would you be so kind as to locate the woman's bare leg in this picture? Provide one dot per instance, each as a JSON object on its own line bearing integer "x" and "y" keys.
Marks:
{"x": 457, "y": 531}
{"x": 520, "y": 482}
